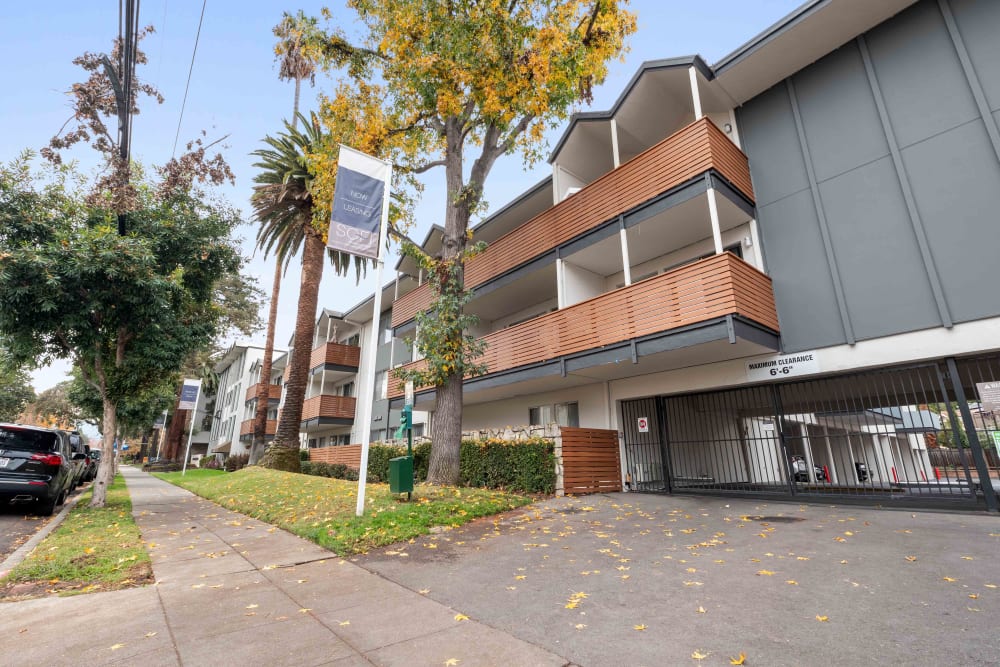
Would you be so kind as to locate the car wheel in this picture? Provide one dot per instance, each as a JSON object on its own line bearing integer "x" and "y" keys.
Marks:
{"x": 47, "y": 507}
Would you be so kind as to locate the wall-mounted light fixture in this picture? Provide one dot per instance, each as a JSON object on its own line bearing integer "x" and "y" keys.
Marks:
{"x": 728, "y": 127}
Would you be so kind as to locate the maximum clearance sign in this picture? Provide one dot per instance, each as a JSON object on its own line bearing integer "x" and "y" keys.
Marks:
{"x": 781, "y": 366}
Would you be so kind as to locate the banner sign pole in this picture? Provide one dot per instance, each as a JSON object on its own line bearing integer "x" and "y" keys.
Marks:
{"x": 359, "y": 221}
{"x": 188, "y": 402}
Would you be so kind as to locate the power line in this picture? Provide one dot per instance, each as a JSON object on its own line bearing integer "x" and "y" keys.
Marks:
{"x": 188, "y": 84}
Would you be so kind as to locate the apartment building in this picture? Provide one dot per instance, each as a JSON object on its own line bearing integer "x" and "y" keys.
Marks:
{"x": 772, "y": 275}
{"x": 232, "y": 426}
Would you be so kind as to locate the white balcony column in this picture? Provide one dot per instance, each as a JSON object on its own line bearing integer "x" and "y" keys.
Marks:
{"x": 555, "y": 183}
{"x": 560, "y": 282}
{"x": 695, "y": 95}
{"x": 420, "y": 277}
{"x": 713, "y": 213}
{"x": 615, "y": 157}
{"x": 626, "y": 262}
{"x": 755, "y": 239}
{"x": 322, "y": 382}
{"x": 329, "y": 321}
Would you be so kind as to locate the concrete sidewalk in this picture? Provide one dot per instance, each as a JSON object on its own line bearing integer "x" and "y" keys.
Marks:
{"x": 231, "y": 590}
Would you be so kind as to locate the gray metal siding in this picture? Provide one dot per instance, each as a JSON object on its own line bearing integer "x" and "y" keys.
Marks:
{"x": 900, "y": 215}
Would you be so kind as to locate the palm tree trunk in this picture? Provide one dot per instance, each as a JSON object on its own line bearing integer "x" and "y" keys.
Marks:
{"x": 264, "y": 388}
{"x": 295, "y": 106}
{"x": 283, "y": 454}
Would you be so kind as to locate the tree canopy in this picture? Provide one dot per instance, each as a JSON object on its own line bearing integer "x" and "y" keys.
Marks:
{"x": 467, "y": 81}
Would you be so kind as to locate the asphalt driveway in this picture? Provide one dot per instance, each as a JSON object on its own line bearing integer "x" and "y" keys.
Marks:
{"x": 633, "y": 579}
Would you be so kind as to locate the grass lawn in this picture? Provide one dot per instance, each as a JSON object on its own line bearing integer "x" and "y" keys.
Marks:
{"x": 94, "y": 549}
{"x": 322, "y": 509}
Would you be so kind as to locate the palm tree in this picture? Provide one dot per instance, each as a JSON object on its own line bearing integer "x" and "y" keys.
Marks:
{"x": 283, "y": 205}
{"x": 295, "y": 66}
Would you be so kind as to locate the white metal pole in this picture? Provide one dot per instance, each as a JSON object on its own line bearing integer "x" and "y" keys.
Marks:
{"x": 366, "y": 425}
{"x": 194, "y": 417}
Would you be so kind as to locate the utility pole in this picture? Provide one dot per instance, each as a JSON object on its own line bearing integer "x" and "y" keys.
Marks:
{"x": 123, "y": 83}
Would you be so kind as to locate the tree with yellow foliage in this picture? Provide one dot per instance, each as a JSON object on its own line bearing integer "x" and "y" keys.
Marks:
{"x": 470, "y": 81}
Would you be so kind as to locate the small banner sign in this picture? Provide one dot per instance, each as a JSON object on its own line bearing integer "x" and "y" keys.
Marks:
{"x": 189, "y": 394}
{"x": 356, "y": 213}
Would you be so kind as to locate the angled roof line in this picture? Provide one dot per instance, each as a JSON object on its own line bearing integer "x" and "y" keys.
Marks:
{"x": 648, "y": 66}
{"x": 547, "y": 181}
{"x": 769, "y": 33}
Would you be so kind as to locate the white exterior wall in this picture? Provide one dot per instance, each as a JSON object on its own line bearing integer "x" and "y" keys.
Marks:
{"x": 231, "y": 398}
{"x": 579, "y": 284}
{"x": 966, "y": 338}
{"x": 591, "y": 399}
{"x": 530, "y": 312}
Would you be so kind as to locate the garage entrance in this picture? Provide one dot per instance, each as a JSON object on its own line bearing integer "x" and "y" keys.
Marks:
{"x": 918, "y": 434}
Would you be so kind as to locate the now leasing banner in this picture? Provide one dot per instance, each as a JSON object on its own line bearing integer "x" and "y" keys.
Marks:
{"x": 189, "y": 394}
{"x": 356, "y": 215}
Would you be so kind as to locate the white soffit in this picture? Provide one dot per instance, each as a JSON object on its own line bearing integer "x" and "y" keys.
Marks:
{"x": 802, "y": 37}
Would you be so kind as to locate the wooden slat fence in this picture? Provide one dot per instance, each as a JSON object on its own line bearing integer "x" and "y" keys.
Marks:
{"x": 590, "y": 460}
{"x": 349, "y": 455}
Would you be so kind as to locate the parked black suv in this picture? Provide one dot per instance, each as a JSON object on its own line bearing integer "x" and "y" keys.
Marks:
{"x": 35, "y": 466}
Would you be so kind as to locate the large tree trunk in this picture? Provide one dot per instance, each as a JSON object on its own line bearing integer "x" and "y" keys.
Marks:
{"x": 443, "y": 466}
{"x": 283, "y": 453}
{"x": 264, "y": 388}
{"x": 106, "y": 470}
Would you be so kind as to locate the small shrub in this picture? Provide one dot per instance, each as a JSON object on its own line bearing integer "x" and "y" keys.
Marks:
{"x": 210, "y": 463}
{"x": 237, "y": 462}
{"x": 303, "y": 455}
{"x": 307, "y": 467}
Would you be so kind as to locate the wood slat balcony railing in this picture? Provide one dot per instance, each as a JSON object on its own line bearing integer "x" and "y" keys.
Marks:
{"x": 274, "y": 392}
{"x": 697, "y": 292}
{"x": 337, "y": 354}
{"x": 341, "y": 407}
{"x": 690, "y": 151}
{"x": 246, "y": 428}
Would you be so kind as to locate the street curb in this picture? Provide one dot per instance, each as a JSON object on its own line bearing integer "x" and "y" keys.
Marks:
{"x": 22, "y": 552}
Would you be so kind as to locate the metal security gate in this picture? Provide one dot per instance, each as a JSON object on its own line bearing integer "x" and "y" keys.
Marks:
{"x": 915, "y": 434}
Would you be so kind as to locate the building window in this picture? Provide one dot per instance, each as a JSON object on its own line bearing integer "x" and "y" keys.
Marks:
{"x": 347, "y": 389}
{"x": 564, "y": 414}
{"x": 381, "y": 384}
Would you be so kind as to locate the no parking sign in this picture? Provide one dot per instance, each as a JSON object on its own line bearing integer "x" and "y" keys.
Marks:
{"x": 643, "y": 424}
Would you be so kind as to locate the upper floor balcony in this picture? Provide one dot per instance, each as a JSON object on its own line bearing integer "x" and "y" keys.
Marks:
{"x": 695, "y": 150}
{"x": 327, "y": 409}
{"x": 246, "y": 428}
{"x": 335, "y": 356}
{"x": 712, "y": 309}
{"x": 273, "y": 390}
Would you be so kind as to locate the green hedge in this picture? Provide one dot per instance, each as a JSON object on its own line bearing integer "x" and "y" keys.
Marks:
{"x": 527, "y": 466}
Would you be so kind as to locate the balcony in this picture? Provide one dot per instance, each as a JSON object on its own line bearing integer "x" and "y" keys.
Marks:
{"x": 720, "y": 303}
{"x": 324, "y": 409}
{"x": 246, "y": 428}
{"x": 684, "y": 155}
{"x": 335, "y": 356}
{"x": 274, "y": 392}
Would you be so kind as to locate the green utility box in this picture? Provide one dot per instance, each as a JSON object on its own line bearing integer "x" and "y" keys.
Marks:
{"x": 401, "y": 474}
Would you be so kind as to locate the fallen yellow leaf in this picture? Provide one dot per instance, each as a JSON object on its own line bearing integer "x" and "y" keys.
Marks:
{"x": 974, "y": 596}
{"x": 450, "y": 662}
{"x": 911, "y": 558}
{"x": 252, "y": 606}
{"x": 461, "y": 617}
{"x": 701, "y": 610}
{"x": 741, "y": 660}
{"x": 967, "y": 558}
{"x": 150, "y": 634}
{"x": 698, "y": 655}
{"x": 115, "y": 647}
{"x": 822, "y": 619}
{"x": 948, "y": 579}
{"x": 765, "y": 573}
{"x": 792, "y": 582}
{"x": 424, "y": 591}
{"x": 640, "y": 628}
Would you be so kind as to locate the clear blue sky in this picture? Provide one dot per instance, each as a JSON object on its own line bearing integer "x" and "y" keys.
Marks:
{"x": 235, "y": 91}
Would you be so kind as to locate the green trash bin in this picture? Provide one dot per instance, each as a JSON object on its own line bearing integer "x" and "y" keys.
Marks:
{"x": 401, "y": 474}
